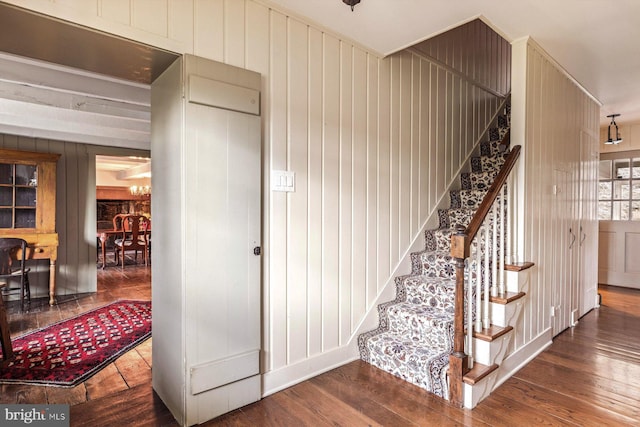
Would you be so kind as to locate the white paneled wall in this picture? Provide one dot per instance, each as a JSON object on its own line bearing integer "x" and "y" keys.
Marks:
{"x": 374, "y": 143}
{"x": 550, "y": 111}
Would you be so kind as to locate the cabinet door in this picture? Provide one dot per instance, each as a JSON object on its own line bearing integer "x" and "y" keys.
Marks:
{"x": 223, "y": 271}
{"x": 588, "y": 229}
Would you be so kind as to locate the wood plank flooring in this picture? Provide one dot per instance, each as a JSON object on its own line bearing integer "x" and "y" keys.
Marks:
{"x": 590, "y": 376}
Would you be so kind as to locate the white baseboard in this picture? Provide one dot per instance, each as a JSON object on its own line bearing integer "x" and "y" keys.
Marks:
{"x": 515, "y": 361}
{"x": 290, "y": 375}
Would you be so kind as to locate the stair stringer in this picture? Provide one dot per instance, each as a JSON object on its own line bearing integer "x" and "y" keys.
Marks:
{"x": 507, "y": 314}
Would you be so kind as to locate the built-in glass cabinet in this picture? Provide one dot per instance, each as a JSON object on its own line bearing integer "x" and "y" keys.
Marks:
{"x": 18, "y": 195}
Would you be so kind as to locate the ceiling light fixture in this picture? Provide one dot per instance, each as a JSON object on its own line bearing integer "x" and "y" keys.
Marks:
{"x": 618, "y": 139}
{"x": 351, "y": 3}
{"x": 140, "y": 190}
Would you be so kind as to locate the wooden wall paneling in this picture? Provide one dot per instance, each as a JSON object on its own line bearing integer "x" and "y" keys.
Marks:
{"x": 416, "y": 142}
{"x": 278, "y": 217}
{"x": 372, "y": 280}
{"x": 331, "y": 194}
{"x": 359, "y": 259}
{"x": 315, "y": 225}
{"x": 115, "y": 10}
{"x": 234, "y": 32}
{"x": 69, "y": 254}
{"x": 424, "y": 137}
{"x": 208, "y": 29}
{"x": 433, "y": 134}
{"x": 441, "y": 133}
{"x": 404, "y": 189}
{"x": 180, "y": 25}
{"x": 151, "y": 16}
{"x": 297, "y": 202}
{"x": 448, "y": 128}
{"x": 87, "y": 220}
{"x": 384, "y": 172}
{"x": 257, "y": 46}
{"x": 457, "y": 143}
{"x": 394, "y": 172}
{"x": 346, "y": 189}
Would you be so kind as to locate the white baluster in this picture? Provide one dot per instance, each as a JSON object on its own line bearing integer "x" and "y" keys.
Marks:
{"x": 510, "y": 204}
{"x": 494, "y": 251}
{"x": 479, "y": 280}
{"x": 487, "y": 285}
{"x": 501, "y": 287}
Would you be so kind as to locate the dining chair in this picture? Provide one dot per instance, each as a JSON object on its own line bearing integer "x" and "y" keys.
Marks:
{"x": 134, "y": 237}
{"x": 12, "y": 266}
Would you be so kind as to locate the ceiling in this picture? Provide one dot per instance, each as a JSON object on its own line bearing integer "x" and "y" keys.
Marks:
{"x": 75, "y": 46}
{"x": 596, "y": 41}
{"x": 125, "y": 167}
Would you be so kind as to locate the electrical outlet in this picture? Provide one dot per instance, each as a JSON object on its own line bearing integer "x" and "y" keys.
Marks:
{"x": 552, "y": 313}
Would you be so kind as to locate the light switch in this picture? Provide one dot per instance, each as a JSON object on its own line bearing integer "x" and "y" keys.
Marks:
{"x": 283, "y": 181}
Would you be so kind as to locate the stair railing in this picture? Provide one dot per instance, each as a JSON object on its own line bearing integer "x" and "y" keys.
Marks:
{"x": 486, "y": 230}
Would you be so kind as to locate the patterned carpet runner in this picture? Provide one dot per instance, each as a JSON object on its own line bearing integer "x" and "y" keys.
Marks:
{"x": 415, "y": 333}
{"x": 69, "y": 352}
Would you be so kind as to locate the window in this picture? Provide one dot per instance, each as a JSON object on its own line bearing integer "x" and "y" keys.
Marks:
{"x": 619, "y": 189}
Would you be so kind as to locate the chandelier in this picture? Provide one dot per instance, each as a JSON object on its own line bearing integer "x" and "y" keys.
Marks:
{"x": 140, "y": 190}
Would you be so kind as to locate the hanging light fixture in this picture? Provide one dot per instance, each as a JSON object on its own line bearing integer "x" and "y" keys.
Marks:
{"x": 617, "y": 139}
{"x": 351, "y": 3}
{"x": 140, "y": 190}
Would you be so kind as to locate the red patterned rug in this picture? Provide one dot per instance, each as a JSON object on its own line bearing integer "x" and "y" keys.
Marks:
{"x": 69, "y": 352}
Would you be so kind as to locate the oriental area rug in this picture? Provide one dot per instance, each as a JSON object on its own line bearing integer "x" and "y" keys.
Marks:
{"x": 69, "y": 352}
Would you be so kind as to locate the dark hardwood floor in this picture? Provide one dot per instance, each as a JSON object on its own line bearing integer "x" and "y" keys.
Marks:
{"x": 590, "y": 376}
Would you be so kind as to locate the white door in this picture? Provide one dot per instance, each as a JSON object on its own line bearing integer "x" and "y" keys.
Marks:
{"x": 588, "y": 229}
{"x": 223, "y": 204}
{"x": 564, "y": 229}
{"x": 206, "y": 149}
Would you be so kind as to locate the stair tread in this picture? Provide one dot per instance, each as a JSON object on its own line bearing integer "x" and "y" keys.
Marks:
{"x": 492, "y": 333}
{"x": 478, "y": 372}
{"x": 518, "y": 266}
{"x": 507, "y": 297}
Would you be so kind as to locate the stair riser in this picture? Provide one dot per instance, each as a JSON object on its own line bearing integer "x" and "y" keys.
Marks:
{"x": 506, "y": 314}
{"x": 473, "y": 394}
{"x": 490, "y": 352}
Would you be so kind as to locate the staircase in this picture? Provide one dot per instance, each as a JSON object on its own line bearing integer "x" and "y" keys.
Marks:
{"x": 415, "y": 336}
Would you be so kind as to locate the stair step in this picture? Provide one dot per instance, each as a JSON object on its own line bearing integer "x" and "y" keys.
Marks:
{"x": 492, "y": 333}
{"x": 478, "y": 372}
{"x": 468, "y": 199}
{"x": 518, "y": 266}
{"x": 507, "y": 297}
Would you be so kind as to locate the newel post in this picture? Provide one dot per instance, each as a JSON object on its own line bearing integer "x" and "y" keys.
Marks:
{"x": 458, "y": 363}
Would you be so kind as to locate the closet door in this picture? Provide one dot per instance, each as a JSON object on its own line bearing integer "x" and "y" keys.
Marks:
{"x": 564, "y": 230}
{"x": 588, "y": 228}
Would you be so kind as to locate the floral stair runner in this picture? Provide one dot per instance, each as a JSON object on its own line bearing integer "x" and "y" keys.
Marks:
{"x": 415, "y": 333}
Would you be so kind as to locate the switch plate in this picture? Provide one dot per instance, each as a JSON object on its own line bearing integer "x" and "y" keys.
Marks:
{"x": 283, "y": 181}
